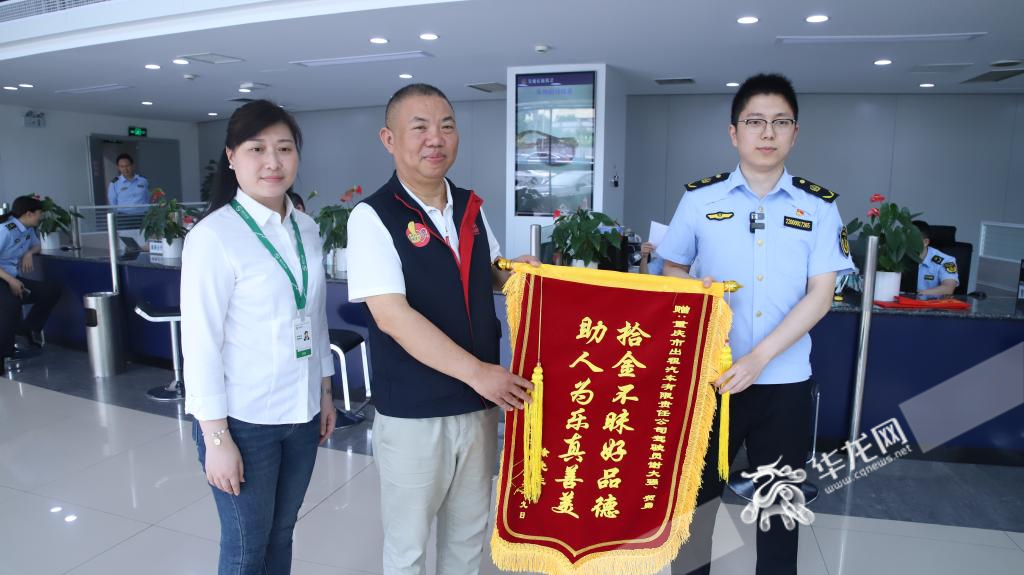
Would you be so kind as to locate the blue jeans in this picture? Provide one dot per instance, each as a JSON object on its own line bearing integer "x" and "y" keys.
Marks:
{"x": 256, "y": 525}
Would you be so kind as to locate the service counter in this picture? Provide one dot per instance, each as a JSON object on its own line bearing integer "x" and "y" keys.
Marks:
{"x": 911, "y": 351}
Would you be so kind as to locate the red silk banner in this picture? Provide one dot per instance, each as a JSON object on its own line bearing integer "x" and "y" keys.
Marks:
{"x": 624, "y": 423}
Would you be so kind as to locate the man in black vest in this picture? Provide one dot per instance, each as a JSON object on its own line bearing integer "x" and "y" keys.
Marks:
{"x": 420, "y": 257}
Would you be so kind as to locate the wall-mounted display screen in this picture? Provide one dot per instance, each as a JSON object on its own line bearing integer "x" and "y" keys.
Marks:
{"x": 555, "y": 121}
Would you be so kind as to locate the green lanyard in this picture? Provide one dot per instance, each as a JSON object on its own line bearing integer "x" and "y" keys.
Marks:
{"x": 300, "y": 297}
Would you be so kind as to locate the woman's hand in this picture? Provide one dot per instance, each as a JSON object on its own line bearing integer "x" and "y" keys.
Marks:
{"x": 328, "y": 414}
{"x": 17, "y": 288}
{"x": 27, "y": 264}
{"x": 224, "y": 469}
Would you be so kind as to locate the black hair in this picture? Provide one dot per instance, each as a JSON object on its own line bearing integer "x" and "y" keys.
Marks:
{"x": 412, "y": 90}
{"x": 296, "y": 200}
{"x": 21, "y": 206}
{"x": 764, "y": 84}
{"x": 245, "y": 123}
{"x": 926, "y": 230}
{"x": 125, "y": 157}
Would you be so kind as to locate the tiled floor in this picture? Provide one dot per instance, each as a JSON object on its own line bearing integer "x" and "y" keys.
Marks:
{"x": 89, "y": 486}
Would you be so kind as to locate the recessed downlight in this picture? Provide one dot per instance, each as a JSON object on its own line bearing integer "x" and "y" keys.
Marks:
{"x": 179, "y": 61}
{"x": 11, "y": 88}
{"x": 882, "y": 62}
{"x": 378, "y": 40}
{"x": 428, "y": 36}
{"x": 152, "y": 66}
{"x": 146, "y": 103}
{"x": 816, "y": 19}
{"x": 244, "y": 90}
{"x": 405, "y": 76}
{"x": 26, "y": 86}
{"x": 733, "y": 84}
{"x": 928, "y": 85}
{"x": 211, "y": 113}
{"x": 747, "y": 20}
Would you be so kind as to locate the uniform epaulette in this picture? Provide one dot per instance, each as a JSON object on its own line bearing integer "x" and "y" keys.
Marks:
{"x": 113, "y": 180}
{"x": 815, "y": 190}
{"x": 11, "y": 226}
{"x": 707, "y": 181}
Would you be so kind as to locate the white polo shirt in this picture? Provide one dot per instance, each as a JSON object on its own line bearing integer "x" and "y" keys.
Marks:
{"x": 237, "y": 314}
{"x": 374, "y": 267}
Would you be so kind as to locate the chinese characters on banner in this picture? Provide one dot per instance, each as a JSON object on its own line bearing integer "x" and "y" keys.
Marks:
{"x": 626, "y": 415}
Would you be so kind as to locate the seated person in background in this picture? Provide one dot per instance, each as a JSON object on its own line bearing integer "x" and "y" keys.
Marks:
{"x": 129, "y": 188}
{"x": 650, "y": 263}
{"x": 297, "y": 202}
{"x": 937, "y": 274}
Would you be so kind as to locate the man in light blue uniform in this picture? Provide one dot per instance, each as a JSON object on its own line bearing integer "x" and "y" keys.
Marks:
{"x": 781, "y": 237}
{"x": 129, "y": 188}
{"x": 18, "y": 245}
{"x": 937, "y": 274}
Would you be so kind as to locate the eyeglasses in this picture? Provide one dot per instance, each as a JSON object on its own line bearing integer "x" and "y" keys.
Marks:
{"x": 758, "y": 125}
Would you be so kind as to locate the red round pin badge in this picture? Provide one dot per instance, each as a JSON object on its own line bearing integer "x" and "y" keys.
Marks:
{"x": 418, "y": 234}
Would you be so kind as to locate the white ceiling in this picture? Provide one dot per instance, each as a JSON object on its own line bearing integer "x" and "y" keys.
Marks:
{"x": 647, "y": 39}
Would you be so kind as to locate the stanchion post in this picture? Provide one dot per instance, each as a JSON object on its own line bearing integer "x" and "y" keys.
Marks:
{"x": 867, "y": 303}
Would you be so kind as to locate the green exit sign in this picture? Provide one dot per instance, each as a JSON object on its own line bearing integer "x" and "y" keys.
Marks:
{"x": 137, "y": 131}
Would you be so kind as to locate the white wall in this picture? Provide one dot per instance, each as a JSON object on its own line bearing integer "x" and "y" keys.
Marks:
{"x": 54, "y": 160}
{"x": 341, "y": 148}
{"x": 958, "y": 159}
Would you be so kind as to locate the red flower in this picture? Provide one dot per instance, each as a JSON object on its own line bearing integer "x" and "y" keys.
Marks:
{"x": 873, "y": 212}
{"x": 557, "y": 214}
{"x": 157, "y": 194}
{"x": 875, "y": 198}
{"x": 359, "y": 189}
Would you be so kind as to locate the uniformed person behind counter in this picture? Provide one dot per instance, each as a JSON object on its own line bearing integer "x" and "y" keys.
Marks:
{"x": 128, "y": 188}
{"x": 781, "y": 237}
{"x": 18, "y": 244}
{"x": 937, "y": 274}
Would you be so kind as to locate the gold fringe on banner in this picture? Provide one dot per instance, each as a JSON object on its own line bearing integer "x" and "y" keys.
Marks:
{"x": 539, "y": 559}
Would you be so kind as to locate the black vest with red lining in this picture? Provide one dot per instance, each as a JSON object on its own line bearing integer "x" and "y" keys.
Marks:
{"x": 456, "y": 297}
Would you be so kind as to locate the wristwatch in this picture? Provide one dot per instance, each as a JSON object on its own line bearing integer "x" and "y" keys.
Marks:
{"x": 216, "y": 435}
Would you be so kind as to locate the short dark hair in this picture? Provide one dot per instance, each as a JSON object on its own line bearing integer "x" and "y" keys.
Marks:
{"x": 124, "y": 157}
{"x": 245, "y": 123}
{"x": 764, "y": 84}
{"x": 296, "y": 199}
{"x": 926, "y": 230}
{"x": 409, "y": 91}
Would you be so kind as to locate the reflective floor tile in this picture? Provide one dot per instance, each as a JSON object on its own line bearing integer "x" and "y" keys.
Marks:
{"x": 885, "y": 554}
{"x": 743, "y": 557}
{"x": 199, "y": 519}
{"x": 332, "y": 470}
{"x": 307, "y": 568}
{"x": 22, "y": 408}
{"x": 43, "y": 536}
{"x": 148, "y": 482}
{"x": 155, "y": 551}
{"x": 918, "y": 530}
{"x": 1017, "y": 538}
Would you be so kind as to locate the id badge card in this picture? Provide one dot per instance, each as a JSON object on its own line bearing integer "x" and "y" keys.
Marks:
{"x": 303, "y": 328}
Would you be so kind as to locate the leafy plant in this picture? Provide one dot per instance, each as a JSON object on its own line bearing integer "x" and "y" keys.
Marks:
{"x": 55, "y": 218}
{"x": 899, "y": 239}
{"x": 584, "y": 235}
{"x": 333, "y": 219}
{"x": 206, "y": 187}
{"x": 163, "y": 220}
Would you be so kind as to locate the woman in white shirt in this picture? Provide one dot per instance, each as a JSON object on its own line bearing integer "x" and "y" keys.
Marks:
{"x": 257, "y": 355}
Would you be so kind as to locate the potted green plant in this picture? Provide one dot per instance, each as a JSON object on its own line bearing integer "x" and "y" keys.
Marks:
{"x": 206, "y": 186}
{"x": 162, "y": 225}
{"x": 583, "y": 237}
{"x": 55, "y": 219}
{"x": 333, "y": 222}
{"x": 899, "y": 242}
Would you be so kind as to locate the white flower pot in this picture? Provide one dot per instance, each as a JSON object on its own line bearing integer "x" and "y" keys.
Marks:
{"x": 50, "y": 242}
{"x": 171, "y": 251}
{"x": 339, "y": 259}
{"x": 887, "y": 286}
{"x": 579, "y": 264}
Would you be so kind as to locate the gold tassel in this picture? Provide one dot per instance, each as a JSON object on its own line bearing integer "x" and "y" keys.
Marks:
{"x": 532, "y": 440}
{"x": 723, "y": 419}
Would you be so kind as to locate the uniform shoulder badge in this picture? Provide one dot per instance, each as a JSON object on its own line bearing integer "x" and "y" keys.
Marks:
{"x": 950, "y": 267}
{"x": 937, "y": 259}
{"x": 11, "y": 226}
{"x": 815, "y": 190}
{"x": 114, "y": 180}
{"x": 706, "y": 181}
{"x": 844, "y": 242}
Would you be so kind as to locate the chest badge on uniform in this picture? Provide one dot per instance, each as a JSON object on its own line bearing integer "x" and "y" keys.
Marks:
{"x": 797, "y": 223}
{"x": 950, "y": 267}
{"x": 719, "y": 216}
{"x": 937, "y": 259}
{"x": 418, "y": 234}
{"x": 844, "y": 242}
{"x": 929, "y": 277}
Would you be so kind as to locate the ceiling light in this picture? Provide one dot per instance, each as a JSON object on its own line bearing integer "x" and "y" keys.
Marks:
{"x": 179, "y": 61}
{"x": 11, "y": 88}
{"x": 152, "y": 66}
{"x": 378, "y": 40}
{"x": 383, "y": 57}
{"x": 26, "y": 86}
{"x": 733, "y": 84}
{"x": 927, "y": 85}
{"x": 883, "y": 62}
{"x": 405, "y": 76}
{"x": 747, "y": 20}
{"x": 70, "y": 518}
{"x": 56, "y": 509}
{"x": 244, "y": 90}
{"x": 211, "y": 113}
{"x": 428, "y": 36}
{"x": 147, "y": 103}
{"x": 816, "y": 19}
